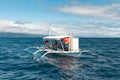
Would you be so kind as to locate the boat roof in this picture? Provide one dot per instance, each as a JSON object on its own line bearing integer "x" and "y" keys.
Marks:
{"x": 55, "y": 37}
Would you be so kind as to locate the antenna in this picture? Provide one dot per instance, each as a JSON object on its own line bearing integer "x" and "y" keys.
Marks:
{"x": 50, "y": 33}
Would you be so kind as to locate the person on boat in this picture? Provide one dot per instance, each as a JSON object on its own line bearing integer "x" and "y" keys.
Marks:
{"x": 66, "y": 43}
{"x": 66, "y": 47}
{"x": 55, "y": 45}
{"x": 46, "y": 44}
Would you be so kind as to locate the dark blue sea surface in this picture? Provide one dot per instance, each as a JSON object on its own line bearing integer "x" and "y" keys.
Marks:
{"x": 103, "y": 63}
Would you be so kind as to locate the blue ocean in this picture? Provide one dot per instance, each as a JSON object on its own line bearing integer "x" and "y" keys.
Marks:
{"x": 102, "y": 63}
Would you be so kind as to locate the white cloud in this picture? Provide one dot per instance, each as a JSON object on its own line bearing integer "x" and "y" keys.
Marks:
{"x": 107, "y": 11}
{"x": 84, "y": 29}
{"x": 98, "y": 21}
{"x": 29, "y": 28}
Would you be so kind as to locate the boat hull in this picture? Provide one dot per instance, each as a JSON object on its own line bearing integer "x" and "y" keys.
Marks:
{"x": 40, "y": 53}
{"x": 63, "y": 54}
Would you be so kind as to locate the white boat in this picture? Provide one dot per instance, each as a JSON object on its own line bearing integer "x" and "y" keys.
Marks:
{"x": 57, "y": 45}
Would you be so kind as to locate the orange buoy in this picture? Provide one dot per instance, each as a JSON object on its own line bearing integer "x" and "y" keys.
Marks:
{"x": 66, "y": 40}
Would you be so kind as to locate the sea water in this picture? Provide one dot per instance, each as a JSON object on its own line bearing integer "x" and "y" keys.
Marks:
{"x": 102, "y": 63}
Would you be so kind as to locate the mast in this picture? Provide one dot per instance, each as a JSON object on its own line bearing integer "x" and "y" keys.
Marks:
{"x": 50, "y": 31}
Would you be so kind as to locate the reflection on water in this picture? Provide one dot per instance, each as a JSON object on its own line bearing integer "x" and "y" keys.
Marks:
{"x": 68, "y": 66}
{"x": 63, "y": 62}
{"x": 67, "y": 63}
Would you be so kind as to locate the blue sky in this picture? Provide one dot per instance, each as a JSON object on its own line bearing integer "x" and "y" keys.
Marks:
{"x": 85, "y": 18}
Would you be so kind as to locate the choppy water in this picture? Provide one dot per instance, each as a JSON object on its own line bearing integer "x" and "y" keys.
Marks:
{"x": 102, "y": 64}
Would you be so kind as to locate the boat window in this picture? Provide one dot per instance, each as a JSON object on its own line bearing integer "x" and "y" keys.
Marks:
{"x": 55, "y": 45}
{"x": 65, "y": 43}
{"x": 58, "y": 45}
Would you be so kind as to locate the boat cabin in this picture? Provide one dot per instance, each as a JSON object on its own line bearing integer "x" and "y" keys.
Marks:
{"x": 61, "y": 43}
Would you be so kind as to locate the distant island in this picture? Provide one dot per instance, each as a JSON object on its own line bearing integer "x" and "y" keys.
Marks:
{"x": 4, "y": 34}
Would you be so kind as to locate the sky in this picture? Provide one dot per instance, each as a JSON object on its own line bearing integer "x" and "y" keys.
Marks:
{"x": 83, "y": 18}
